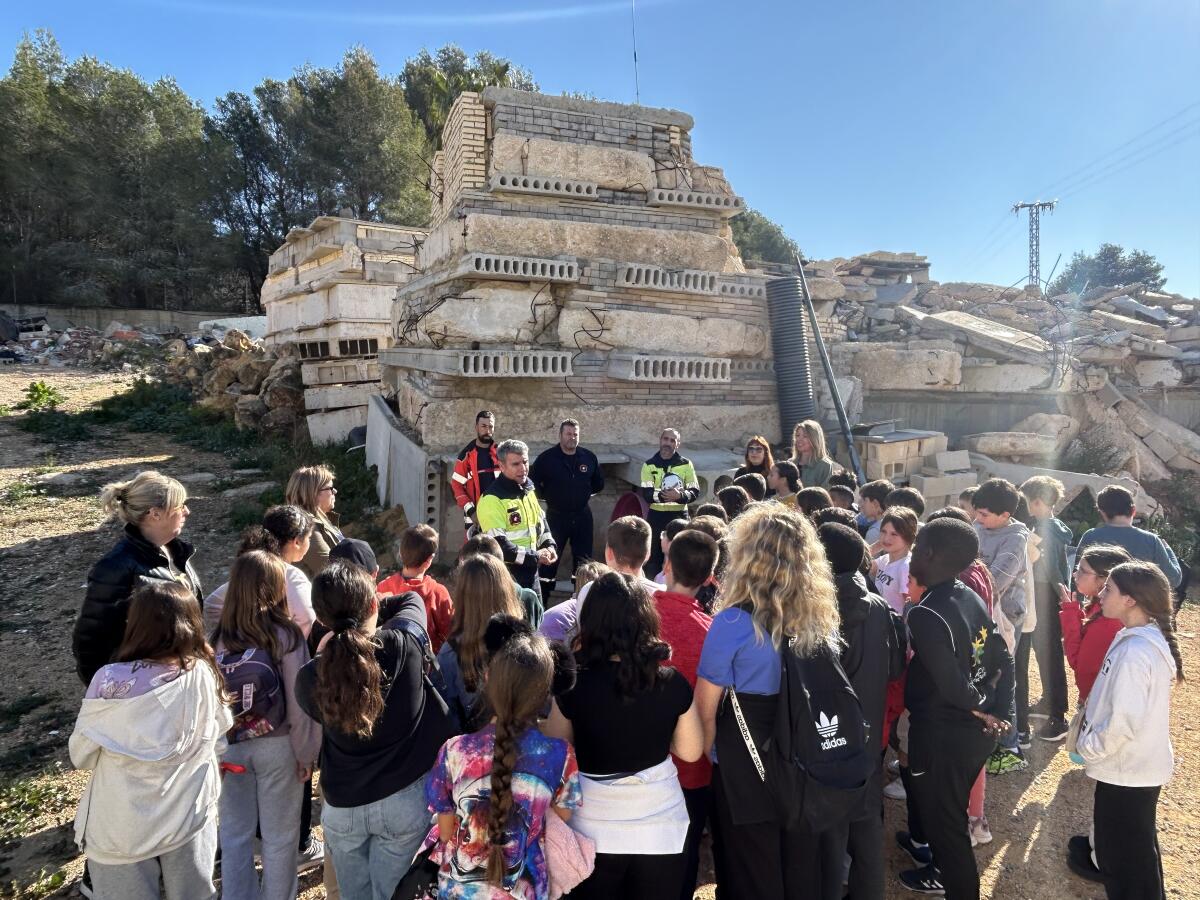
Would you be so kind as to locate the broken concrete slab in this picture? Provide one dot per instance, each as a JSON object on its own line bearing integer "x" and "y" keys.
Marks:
{"x": 1008, "y": 343}
{"x": 1141, "y": 346}
{"x": 1129, "y": 306}
{"x": 895, "y": 294}
{"x": 1183, "y": 334}
{"x": 1158, "y": 373}
{"x": 248, "y": 490}
{"x": 906, "y": 369}
{"x": 1010, "y": 443}
{"x": 1074, "y": 482}
{"x": 1125, "y": 323}
{"x": 1063, "y": 429}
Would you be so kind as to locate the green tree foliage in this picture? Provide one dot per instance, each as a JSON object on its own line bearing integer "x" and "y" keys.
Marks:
{"x": 1110, "y": 266}
{"x": 757, "y": 237}
{"x": 432, "y": 81}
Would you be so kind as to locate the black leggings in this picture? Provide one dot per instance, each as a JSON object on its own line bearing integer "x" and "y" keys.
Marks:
{"x": 1127, "y": 841}
{"x": 632, "y": 877}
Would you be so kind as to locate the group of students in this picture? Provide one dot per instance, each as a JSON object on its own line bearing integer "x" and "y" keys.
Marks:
{"x": 472, "y": 744}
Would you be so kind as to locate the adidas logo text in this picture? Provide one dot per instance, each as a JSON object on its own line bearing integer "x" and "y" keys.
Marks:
{"x": 832, "y": 743}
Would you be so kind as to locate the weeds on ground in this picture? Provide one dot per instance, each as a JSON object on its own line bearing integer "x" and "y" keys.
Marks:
{"x": 44, "y": 884}
{"x": 11, "y": 712}
{"x": 25, "y": 800}
{"x": 5, "y": 410}
{"x": 40, "y": 396}
{"x": 58, "y": 427}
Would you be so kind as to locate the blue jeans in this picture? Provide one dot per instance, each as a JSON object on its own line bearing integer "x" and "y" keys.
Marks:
{"x": 374, "y": 845}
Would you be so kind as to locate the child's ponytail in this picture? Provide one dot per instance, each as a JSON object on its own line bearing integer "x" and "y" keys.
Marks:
{"x": 1147, "y": 585}
{"x": 518, "y": 684}
{"x": 349, "y": 688}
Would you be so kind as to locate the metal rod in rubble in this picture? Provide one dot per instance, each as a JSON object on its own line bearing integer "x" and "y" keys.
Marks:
{"x": 855, "y": 462}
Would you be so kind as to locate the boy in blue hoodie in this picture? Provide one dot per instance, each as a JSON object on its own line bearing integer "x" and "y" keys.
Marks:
{"x": 1004, "y": 549}
{"x": 1043, "y": 494}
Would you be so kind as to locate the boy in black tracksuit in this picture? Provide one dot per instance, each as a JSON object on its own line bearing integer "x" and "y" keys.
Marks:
{"x": 958, "y": 681}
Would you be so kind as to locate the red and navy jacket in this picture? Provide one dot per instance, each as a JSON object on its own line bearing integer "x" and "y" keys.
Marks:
{"x": 469, "y": 479}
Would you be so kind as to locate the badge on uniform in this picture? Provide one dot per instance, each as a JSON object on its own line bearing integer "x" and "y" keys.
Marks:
{"x": 514, "y": 517}
{"x": 583, "y": 468}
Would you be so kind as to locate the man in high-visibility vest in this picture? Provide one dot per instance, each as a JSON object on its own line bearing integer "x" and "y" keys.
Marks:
{"x": 509, "y": 512}
{"x": 669, "y": 484}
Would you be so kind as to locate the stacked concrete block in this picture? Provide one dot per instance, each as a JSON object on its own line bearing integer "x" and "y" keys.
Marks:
{"x": 894, "y": 454}
{"x": 944, "y": 476}
{"x": 329, "y": 291}
{"x": 579, "y": 264}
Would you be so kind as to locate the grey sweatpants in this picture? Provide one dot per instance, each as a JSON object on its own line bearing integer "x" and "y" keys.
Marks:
{"x": 186, "y": 873}
{"x": 267, "y": 795}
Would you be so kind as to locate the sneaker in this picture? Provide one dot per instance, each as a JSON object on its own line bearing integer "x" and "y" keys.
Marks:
{"x": 311, "y": 857}
{"x": 980, "y": 833}
{"x": 1040, "y": 710}
{"x": 1024, "y": 740}
{"x": 920, "y": 853}
{"x": 1002, "y": 762}
{"x": 924, "y": 880}
{"x": 894, "y": 790}
{"x": 1054, "y": 730}
{"x": 1079, "y": 859}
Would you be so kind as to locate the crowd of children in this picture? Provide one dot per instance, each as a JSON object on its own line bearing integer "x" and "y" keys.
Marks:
{"x": 469, "y": 746}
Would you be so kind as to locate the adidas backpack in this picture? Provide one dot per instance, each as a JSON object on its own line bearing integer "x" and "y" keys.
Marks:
{"x": 821, "y": 755}
{"x": 259, "y": 704}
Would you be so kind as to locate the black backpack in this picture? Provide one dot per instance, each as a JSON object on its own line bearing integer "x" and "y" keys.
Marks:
{"x": 819, "y": 757}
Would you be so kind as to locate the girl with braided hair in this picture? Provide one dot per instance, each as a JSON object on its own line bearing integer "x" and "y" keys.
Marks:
{"x": 1124, "y": 739}
{"x": 492, "y": 790}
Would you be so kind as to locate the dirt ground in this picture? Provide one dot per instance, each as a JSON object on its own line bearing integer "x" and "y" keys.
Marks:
{"x": 50, "y": 536}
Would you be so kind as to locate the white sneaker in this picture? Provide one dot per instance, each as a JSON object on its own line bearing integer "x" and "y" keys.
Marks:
{"x": 980, "y": 833}
{"x": 312, "y": 857}
{"x": 894, "y": 790}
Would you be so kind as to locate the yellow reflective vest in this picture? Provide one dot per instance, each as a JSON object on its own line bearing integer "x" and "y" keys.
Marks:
{"x": 510, "y": 513}
{"x": 659, "y": 474}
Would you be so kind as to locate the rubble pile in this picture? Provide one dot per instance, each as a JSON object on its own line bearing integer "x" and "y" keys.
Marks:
{"x": 33, "y": 341}
{"x": 891, "y": 328}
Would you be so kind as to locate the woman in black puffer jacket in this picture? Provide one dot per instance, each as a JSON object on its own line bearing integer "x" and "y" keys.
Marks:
{"x": 154, "y": 509}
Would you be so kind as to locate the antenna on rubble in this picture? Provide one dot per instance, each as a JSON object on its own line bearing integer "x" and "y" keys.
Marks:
{"x": 637, "y": 88}
{"x": 1035, "y": 235}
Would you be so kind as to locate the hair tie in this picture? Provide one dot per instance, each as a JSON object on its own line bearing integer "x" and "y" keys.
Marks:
{"x": 346, "y": 624}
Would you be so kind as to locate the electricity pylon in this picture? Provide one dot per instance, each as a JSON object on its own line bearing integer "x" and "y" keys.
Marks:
{"x": 1035, "y": 236}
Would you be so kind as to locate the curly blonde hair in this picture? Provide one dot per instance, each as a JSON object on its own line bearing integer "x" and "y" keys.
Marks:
{"x": 777, "y": 567}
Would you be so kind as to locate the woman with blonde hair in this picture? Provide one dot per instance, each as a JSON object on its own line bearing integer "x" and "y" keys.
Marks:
{"x": 311, "y": 488}
{"x": 778, "y": 587}
{"x": 153, "y": 510}
{"x": 809, "y": 454}
{"x": 482, "y": 588}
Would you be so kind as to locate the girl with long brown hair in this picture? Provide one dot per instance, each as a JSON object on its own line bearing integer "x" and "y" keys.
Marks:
{"x": 481, "y": 589}
{"x": 149, "y": 730}
{"x": 382, "y": 729}
{"x": 493, "y": 790}
{"x": 1124, "y": 737}
{"x": 273, "y": 744}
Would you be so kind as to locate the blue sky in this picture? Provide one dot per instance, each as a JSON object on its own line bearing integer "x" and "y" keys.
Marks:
{"x": 858, "y": 125}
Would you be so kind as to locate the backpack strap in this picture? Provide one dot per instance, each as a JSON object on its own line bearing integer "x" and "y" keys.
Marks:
{"x": 746, "y": 736}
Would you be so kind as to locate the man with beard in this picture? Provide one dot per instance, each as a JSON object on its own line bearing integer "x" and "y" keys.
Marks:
{"x": 566, "y": 476}
{"x": 669, "y": 484}
{"x": 476, "y": 468}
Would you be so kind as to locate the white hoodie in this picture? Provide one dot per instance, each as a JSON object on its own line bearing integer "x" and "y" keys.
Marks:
{"x": 155, "y": 781}
{"x": 1125, "y": 735}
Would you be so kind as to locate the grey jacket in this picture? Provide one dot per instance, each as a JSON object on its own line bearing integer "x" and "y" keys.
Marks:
{"x": 1005, "y": 551}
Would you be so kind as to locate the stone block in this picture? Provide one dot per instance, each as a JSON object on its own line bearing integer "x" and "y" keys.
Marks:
{"x": 1162, "y": 447}
{"x": 490, "y": 313}
{"x": 935, "y": 443}
{"x": 881, "y": 313}
{"x": 952, "y": 460}
{"x": 1131, "y": 307}
{"x": 1183, "y": 334}
{"x": 825, "y": 288}
{"x": 906, "y": 369}
{"x": 334, "y": 426}
{"x": 337, "y": 396}
{"x": 1158, "y": 373}
{"x": 942, "y": 485}
{"x": 1116, "y": 322}
{"x": 896, "y": 294}
{"x": 1131, "y": 415}
{"x": 1063, "y": 429}
{"x": 1144, "y": 347}
{"x": 658, "y": 332}
{"x": 339, "y": 371}
{"x": 1005, "y": 378}
{"x": 1010, "y": 443}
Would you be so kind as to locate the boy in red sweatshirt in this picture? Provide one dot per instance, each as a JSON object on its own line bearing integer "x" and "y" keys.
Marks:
{"x": 417, "y": 547}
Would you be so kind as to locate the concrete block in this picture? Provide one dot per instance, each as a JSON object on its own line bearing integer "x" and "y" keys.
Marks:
{"x": 544, "y": 185}
{"x": 1145, "y": 347}
{"x": 336, "y": 396}
{"x": 1183, "y": 334}
{"x": 904, "y": 369}
{"x": 952, "y": 460}
{"x": 481, "y": 363}
{"x": 1114, "y": 322}
{"x": 723, "y": 204}
{"x": 339, "y": 371}
{"x": 1162, "y": 447}
{"x": 1158, "y": 373}
{"x": 933, "y": 444}
{"x": 581, "y": 327}
{"x": 895, "y": 294}
{"x": 730, "y": 288}
{"x": 335, "y": 426}
{"x": 656, "y": 278}
{"x": 1008, "y": 343}
{"x": 518, "y": 268}
{"x": 641, "y": 367}
{"x": 1010, "y": 443}
{"x": 943, "y": 485}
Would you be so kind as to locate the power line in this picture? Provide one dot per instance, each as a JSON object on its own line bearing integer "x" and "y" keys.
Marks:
{"x": 1105, "y": 174}
{"x": 1057, "y": 186}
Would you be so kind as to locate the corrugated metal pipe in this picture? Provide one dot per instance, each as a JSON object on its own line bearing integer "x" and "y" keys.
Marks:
{"x": 789, "y": 342}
